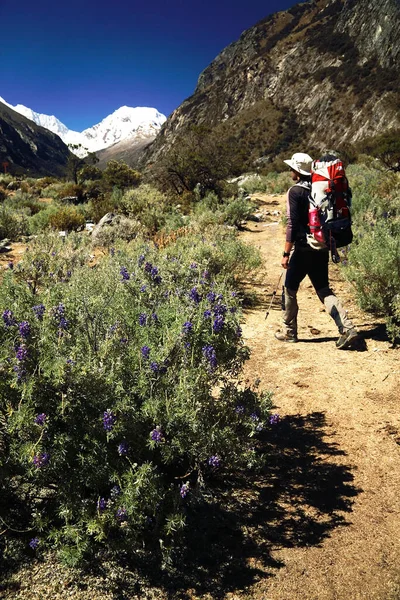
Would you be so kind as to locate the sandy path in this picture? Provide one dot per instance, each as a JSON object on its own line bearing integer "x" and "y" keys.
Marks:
{"x": 348, "y": 401}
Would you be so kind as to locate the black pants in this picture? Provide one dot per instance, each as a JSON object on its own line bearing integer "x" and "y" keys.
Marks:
{"x": 313, "y": 263}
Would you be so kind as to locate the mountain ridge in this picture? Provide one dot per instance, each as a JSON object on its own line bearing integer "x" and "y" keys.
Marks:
{"x": 330, "y": 68}
{"x": 136, "y": 123}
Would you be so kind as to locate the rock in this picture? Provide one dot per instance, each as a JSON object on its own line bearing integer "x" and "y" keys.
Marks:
{"x": 109, "y": 220}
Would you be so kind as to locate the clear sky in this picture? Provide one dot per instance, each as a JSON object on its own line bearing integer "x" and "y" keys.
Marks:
{"x": 82, "y": 59}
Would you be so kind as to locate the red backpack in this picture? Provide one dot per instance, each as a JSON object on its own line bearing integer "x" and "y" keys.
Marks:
{"x": 329, "y": 204}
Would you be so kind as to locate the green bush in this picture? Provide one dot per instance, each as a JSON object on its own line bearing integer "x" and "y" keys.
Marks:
{"x": 272, "y": 183}
{"x": 148, "y": 205}
{"x": 116, "y": 399}
{"x": 61, "y": 218}
{"x": 211, "y": 210}
{"x": 13, "y": 224}
{"x": 373, "y": 260}
{"x": 22, "y": 200}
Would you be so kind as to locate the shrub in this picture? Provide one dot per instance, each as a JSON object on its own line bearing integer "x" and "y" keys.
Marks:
{"x": 117, "y": 401}
{"x": 13, "y": 224}
{"x": 22, "y": 200}
{"x": 67, "y": 218}
{"x": 272, "y": 183}
{"x": 148, "y": 205}
{"x": 61, "y": 218}
{"x": 119, "y": 175}
{"x": 374, "y": 266}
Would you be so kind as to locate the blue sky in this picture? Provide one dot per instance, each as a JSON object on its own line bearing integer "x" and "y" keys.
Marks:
{"x": 82, "y": 59}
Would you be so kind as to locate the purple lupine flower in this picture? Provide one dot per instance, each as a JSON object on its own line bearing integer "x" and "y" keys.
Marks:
{"x": 122, "y": 448}
{"x": 239, "y": 410}
{"x": 211, "y": 297}
{"x": 39, "y": 311}
{"x": 218, "y": 324}
{"x": 24, "y": 329}
{"x": 239, "y": 332}
{"x": 21, "y": 352}
{"x": 41, "y": 460}
{"x": 112, "y": 251}
{"x": 154, "y": 367}
{"x": 143, "y": 288}
{"x": 63, "y": 324}
{"x": 194, "y": 295}
{"x": 115, "y": 491}
{"x": 214, "y": 461}
{"x": 8, "y": 318}
{"x": 205, "y": 274}
{"x": 209, "y": 354}
{"x": 220, "y": 309}
{"x": 109, "y": 420}
{"x": 145, "y": 350}
{"x": 274, "y": 419}
{"x": 155, "y": 318}
{"x": 154, "y": 271}
{"x": 187, "y": 327}
{"x": 184, "y": 490}
{"x": 40, "y": 419}
{"x": 101, "y": 504}
{"x": 34, "y": 543}
{"x": 233, "y": 294}
{"x": 70, "y": 362}
{"x": 124, "y": 274}
{"x": 148, "y": 267}
{"x": 207, "y": 314}
{"x": 157, "y": 279}
{"x": 10, "y": 265}
{"x": 141, "y": 259}
{"x": 187, "y": 346}
{"x": 123, "y": 341}
{"x": 142, "y": 319}
{"x": 114, "y": 327}
{"x": 193, "y": 266}
{"x": 121, "y": 515}
{"x": 254, "y": 417}
{"x": 54, "y": 253}
{"x": 233, "y": 309}
{"x": 58, "y": 311}
{"x": 68, "y": 274}
{"x": 157, "y": 435}
{"x": 20, "y": 371}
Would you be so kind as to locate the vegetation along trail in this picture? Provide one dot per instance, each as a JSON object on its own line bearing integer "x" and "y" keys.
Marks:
{"x": 336, "y": 475}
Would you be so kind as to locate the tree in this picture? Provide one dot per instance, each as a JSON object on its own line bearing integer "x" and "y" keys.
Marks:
{"x": 75, "y": 162}
{"x": 386, "y": 148}
{"x": 198, "y": 159}
{"x": 120, "y": 175}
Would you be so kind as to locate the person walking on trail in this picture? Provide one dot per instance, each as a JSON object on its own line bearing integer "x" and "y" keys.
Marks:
{"x": 308, "y": 258}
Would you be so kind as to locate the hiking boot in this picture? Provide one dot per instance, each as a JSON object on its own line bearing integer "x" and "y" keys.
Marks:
{"x": 285, "y": 337}
{"x": 347, "y": 339}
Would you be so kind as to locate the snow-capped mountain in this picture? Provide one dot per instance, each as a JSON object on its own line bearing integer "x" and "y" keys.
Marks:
{"x": 138, "y": 123}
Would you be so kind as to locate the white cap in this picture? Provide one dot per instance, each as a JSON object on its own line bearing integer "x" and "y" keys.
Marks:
{"x": 300, "y": 162}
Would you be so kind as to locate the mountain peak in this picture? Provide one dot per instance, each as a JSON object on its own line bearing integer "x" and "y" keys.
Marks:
{"x": 124, "y": 123}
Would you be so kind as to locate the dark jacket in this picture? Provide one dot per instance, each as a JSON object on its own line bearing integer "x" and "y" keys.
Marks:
{"x": 297, "y": 213}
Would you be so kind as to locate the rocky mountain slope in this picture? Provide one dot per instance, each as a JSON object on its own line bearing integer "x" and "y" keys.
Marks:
{"x": 322, "y": 74}
{"x": 137, "y": 124}
{"x": 29, "y": 148}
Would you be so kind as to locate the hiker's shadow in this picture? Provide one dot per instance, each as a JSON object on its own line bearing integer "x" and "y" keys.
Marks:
{"x": 303, "y": 492}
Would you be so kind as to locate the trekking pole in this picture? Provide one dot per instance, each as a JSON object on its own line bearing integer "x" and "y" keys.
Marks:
{"x": 273, "y": 295}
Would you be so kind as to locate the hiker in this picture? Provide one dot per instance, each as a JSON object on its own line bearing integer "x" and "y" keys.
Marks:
{"x": 306, "y": 259}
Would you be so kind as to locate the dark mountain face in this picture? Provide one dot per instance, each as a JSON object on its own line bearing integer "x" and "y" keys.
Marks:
{"x": 324, "y": 73}
{"x": 28, "y": 148}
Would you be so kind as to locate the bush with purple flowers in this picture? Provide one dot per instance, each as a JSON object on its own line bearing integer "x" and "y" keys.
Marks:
{"x": 112, "y": 417}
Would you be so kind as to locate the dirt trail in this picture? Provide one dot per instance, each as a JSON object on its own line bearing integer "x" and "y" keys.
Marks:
{"x": 342, "y": 492}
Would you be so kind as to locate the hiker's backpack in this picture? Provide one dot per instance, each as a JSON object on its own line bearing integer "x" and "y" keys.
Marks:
{"x": 329, "y": 205}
